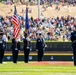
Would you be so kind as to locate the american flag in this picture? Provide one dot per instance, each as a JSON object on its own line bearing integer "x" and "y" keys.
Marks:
{"x": 16, "y": 23}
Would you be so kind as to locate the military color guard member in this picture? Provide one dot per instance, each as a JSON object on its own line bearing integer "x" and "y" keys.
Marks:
{"x": 73, "y": 39}
{"x": 2, "y": 46}
{"x": 27, "y": 47}
{"x": 40, "y": 47}
{"x": 15, "y": 49}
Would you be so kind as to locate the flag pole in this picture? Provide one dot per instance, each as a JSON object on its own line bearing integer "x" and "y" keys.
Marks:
{"x": 26, "y": 31}
{"x": 38, "y": 10}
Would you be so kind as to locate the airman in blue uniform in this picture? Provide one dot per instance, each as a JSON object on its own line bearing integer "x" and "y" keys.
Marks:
{"x": 2, "y": 46}
{"x": 40, "y": 47}
{"x": 73, "y": 39}
{"x": 27, "y": 47}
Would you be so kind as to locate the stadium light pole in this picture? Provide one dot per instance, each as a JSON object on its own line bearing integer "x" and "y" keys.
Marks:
{"x": 38, "y": 9}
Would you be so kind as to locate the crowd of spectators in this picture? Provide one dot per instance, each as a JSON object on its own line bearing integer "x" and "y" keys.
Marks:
{"x": 54, "y": 29}
{"x": 35, "y": 2}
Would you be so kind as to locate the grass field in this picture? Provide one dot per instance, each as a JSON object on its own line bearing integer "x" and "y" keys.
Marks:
{"x": 38, "y": 68}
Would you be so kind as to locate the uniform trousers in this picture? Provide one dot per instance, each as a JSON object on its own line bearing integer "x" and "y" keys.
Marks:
{"x": 40, "y": 55}
{"x": 15, "y": 55}
{"x": 26, "y": 55}
{"x": 1, "y": 55}
{"x": 74, "y": 54}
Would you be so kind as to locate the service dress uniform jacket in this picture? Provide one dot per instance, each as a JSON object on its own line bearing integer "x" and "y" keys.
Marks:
{"x": 40, "y": 46}
{"x": 26, "y": 48}
{"x": 2, "y": 49}
{"x": 15, "y": 50}
{"x": 73, "y": 39}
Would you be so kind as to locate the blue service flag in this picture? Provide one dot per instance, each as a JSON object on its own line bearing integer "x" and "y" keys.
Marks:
{"x": 27, "y": 26}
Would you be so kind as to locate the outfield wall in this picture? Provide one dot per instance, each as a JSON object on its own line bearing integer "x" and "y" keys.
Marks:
{"x": 58, "y": 47}
{"x": 50, "y": 57}
{"x": 51, "y": 46}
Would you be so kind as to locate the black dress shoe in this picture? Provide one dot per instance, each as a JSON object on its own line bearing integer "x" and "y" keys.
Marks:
{"x": 14, "y": 62}
{"x": 74, "y": 64}
{"x": 0, "y": 62}
{"x": 26, "y": 61}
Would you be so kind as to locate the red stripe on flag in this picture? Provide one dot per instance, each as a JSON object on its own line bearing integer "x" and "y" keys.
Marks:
{"x": 16, "y": 25}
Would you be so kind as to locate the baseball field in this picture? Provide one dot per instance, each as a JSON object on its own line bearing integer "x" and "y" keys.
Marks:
{"x": 44, "y": 67}
{"x": 38, "y": 68}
